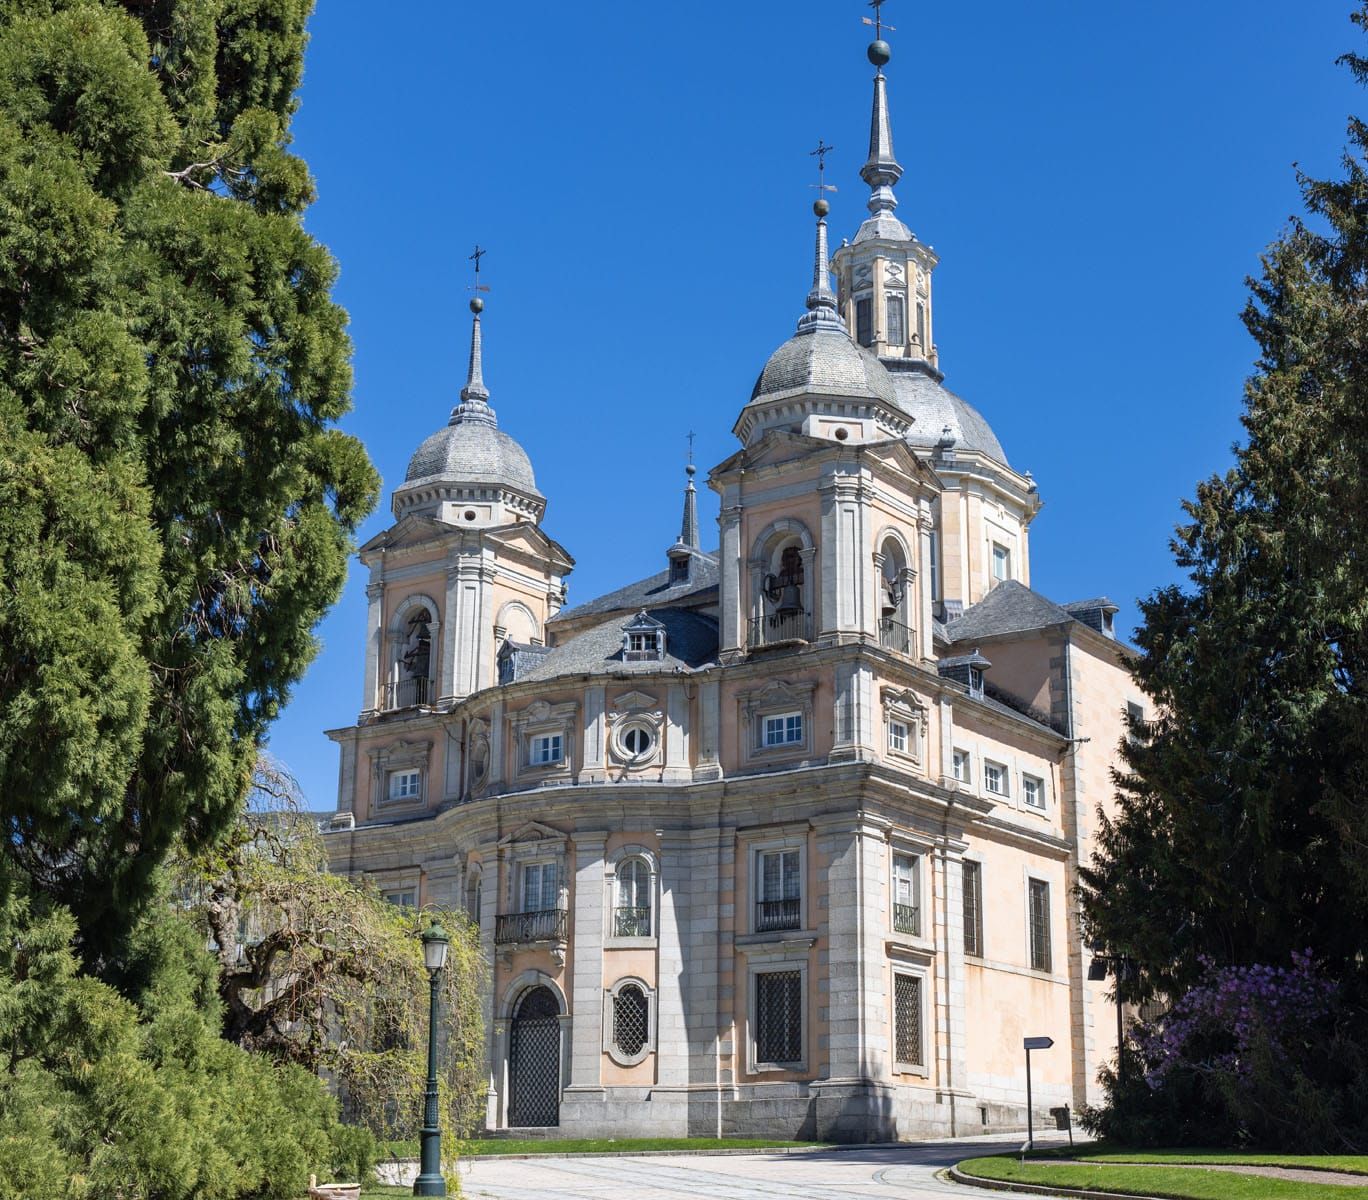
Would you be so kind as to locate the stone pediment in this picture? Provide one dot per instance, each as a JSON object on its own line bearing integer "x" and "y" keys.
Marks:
{"x": 533, "y": 831}
{"x": 527, "y": 538}
{"x": 407, "y": 531}
{"x": 634, "y": 701}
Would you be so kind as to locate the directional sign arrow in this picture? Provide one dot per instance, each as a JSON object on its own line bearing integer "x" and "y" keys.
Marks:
{"x": 1037, "y": 1043}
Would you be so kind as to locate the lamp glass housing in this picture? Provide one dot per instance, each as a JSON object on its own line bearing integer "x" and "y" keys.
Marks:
{"x": 435, "y": 944}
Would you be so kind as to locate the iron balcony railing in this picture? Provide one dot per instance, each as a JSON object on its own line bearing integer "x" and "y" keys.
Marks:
{"x": 408, "y": 692}
{"x": 893, "y": 635}
{"x": 780, "y": 627}
{"x": 907, "y": 919}
{"x": 548, "y": 925}
{"x": 777, "y": 914}
{"x": 631, "y": 922}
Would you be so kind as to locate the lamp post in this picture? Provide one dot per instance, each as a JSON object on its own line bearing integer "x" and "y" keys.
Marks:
{"x": 430, "y": 1181}
{"x": 1121, "y": 967}
{"x": 1029, "y": 1044}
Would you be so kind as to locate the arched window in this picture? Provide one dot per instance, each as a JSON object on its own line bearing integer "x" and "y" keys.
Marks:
{"x": 895, "y": 597}
{"x": 412, "y": 679}
{"x": 782, "y": 578}
{"x": 474, "y": 890}
{"x": 632, "y": 912}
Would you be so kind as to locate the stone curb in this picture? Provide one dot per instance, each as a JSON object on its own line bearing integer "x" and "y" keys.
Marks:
{"x": 715, "y": 1153}
{"x": 1002, "y": 1185}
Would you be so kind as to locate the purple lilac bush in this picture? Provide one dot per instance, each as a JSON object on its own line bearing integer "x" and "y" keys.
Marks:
{"x": 1214, "y": 1027}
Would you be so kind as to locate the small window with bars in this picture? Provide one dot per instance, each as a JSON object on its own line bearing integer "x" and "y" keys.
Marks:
{"x": 896, "y": 308}
{"x": 1040, "y": 925}
{"x": 631, "y": 1021}
{"x": 973, "y": 908}
{"x": 779, "y": 1018}
{"x": 907, "y": 1022}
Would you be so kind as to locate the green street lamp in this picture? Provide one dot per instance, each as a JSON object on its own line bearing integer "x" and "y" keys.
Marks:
{"x": 430, "y": 1181}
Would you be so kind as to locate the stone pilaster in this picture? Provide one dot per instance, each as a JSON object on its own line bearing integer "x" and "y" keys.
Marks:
{"x": 375, "y": 643}
{"x": 586, "y": 1001}
{"x": 731, "y": 576}
{"x": 854, "y": 714}
{"x": 677, "y": 730}
{"x": 593, "y": 767}
{"x": 709, "y": 732}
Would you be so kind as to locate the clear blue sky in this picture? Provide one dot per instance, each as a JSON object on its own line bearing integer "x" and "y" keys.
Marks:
{"x": 1097, "y": 179}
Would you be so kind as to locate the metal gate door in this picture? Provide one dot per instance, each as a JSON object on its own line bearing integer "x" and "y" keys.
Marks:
{"x": 534, "y": 1053}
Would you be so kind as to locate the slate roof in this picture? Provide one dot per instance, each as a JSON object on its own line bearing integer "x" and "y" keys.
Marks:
{"x": 690, "y": 642}
{"x": 1095, "y": 602}
{"x": 823, "y": 361}
{"x": 932, "y": 407}
{"x": 473, "y": 452}
{"x": 651, "y": 592}
{"x": 1011, "y": 607}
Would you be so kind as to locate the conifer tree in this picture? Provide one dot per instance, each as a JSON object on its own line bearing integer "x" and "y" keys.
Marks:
{"x": 1241, "y": 832}
{"x": 176, "y": 505}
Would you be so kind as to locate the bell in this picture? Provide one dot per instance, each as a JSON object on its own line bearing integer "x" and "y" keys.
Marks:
{"x": 790, "y": 601}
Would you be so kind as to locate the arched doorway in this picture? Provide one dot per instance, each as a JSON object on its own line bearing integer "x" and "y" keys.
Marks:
{"x": 534, "y": 1054}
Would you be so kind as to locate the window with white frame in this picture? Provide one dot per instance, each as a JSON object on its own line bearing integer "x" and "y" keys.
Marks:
{"x": 1033, "y": 792}
{"x": 406, "y": 784}
{"x": 632, "y": 910}
{"x": 783, "y": 729}
{"x": 908, "y": 1051}
{"x": 778, "y": 1016}
{"x": 897, "y": 736}
{"x": 402, "y": 897}
{"x": 994, "y": 777}
{"x": 540, "y": 887}
{"x": 960, "y": 759}
{"x": 1038, "y": 900}
{"x": 1002, "y": 562}
{"x": 546, "y": 749}
{"x": 907, "y": 894}
{"x": 778, "y": 890}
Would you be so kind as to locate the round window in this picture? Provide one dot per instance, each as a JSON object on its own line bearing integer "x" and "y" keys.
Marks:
{"x": 637, "y": 741}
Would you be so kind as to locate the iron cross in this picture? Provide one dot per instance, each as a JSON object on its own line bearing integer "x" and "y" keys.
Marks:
{"x": 821, "y": 152}
{"x": 692, "y": 435}
{"x": 475, "y": 258}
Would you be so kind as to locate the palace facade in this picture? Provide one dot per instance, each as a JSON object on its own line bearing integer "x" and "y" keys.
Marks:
{"x": 783, "y": 839}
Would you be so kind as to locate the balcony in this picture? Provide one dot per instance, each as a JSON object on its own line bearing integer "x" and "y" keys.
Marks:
{"x": 771, "y": 915}
{"x": 907, "y": 919}
{"x": 548, "y": 925}
{"x": 895, "y": 636}
{"x": 777, "y": 628}
{"x": 631, "y": 922}
{"x": 408, "y": 693}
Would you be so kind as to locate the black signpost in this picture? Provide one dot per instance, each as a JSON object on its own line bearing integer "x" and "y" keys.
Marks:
{"x": 1032, "y": 1043}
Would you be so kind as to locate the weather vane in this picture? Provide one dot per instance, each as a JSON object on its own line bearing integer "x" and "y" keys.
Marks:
{"x": 877, "y": 22}
{"x": 820, "y": 153}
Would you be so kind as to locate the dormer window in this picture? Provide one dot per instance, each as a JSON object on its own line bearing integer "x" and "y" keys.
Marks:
{"x": 975, "y": 681}
{"x": 679, "y": 570}
{"x": 643, "y": 640}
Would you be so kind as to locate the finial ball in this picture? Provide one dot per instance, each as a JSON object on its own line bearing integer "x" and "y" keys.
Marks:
{"x": 879, "y": 53}
{"x": 691, "y": 470}
{"x": 476, "y": 304}
{"x": 821, "y": 207}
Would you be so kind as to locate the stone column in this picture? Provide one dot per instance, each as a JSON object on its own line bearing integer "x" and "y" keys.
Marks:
{"x": 709, "y": 732}
{"x": 732, "y": 636}
{"x": 925, "y": 527}
{"x": 677, "y": 735}
{"x": 592, "y": 768}
{"x": 446, "y": 664}
{"x": 497, "y": 754}
{"x": 586, "y": 1000}
{"x": 371, "y": 700}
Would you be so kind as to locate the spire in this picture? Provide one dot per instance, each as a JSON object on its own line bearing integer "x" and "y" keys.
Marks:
{"x": 474, "y": 404}
{"x": 881, "y": 170}
{"x": 688, "y": 527}
{"x": 821, "y": 300}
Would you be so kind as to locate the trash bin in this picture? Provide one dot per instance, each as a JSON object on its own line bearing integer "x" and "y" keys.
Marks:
{"x": 1061, "y": 1116}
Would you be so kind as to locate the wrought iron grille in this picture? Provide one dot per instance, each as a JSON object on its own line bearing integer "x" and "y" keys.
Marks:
{"x": 973, "y": 908}
{"x": 547, "y": 925}
{"x": 631, "y": 922}
{"x": 1040, "y": 925}
{"x": 907, "y": 1019}
{"x": 893, "y": 635}
{"x": 534, "y": 1061}
{"x": 779, "y": 1017}
{"x": 408, "y": 692}
{"x": 777, "y": 914}
{"x": 907, "y": 919}
{"x": 630, "y": 1020}
{"x": 780, "y": 627}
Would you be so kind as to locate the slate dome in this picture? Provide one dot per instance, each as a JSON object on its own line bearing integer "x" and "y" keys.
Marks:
{"x": 823, "y": 361}
{"x": 473, "y": 451}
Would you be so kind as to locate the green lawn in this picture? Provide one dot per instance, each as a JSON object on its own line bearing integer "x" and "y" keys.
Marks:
{"x": 484, "y": 1147}
{"x": 1354, "y": 1164}
{"x": 1172, "y": 1183}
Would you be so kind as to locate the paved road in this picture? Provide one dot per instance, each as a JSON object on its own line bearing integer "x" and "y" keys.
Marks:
{"x": 894, "y": 1173}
